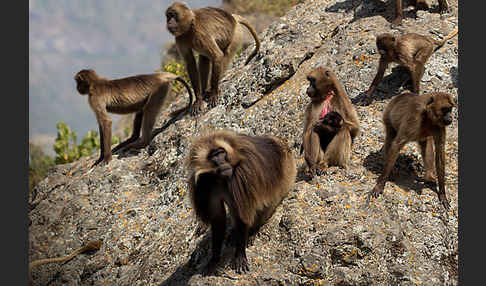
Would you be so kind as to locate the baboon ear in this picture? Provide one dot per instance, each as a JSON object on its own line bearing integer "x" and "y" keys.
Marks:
{"x": 327, "y": 73}
{"x": 431, "y": 100}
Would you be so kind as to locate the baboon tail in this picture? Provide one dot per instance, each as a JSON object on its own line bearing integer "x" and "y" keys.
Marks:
{"x": 245, "y": 23}
{"x": 448, "y": 37}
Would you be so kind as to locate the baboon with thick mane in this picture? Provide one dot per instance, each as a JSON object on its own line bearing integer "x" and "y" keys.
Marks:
{"x": 327, "y": 95}
{"x": 410, "y": 50}
{"x": 421, "y": 118}
{"x": 143, "y": 94}
{"x": 250, "y": 174}
{"x": 213, "y": 33}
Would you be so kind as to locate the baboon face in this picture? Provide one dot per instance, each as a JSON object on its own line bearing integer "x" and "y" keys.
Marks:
{"x": 218, "y": 157}
{"x": 179, "y": 18}
{"x": 83, "y": 80}
{"x": 333, "y": 119}
{"x": 386, "y": 44}
{"x": 320, "y": 80}
{"x": 440, "y": 107}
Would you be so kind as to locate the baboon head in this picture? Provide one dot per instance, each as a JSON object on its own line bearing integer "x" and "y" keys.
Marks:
{"x": 439, "y": 109}
{"x": 386, "y": 45}
{"x": 321, "y": 80}
{"x": 217, "y": 157}
{"x": 83, "y": 79}
{"x": 333, "y": 119}
{"x": 179, "y": 18}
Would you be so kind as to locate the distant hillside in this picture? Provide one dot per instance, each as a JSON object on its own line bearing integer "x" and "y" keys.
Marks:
{"x": 116, "y": 37}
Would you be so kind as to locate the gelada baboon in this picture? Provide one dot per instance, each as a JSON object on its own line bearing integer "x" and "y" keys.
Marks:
{"x": 90, "y": 246}
{"x": 420, "y": 4}
{"x": 327, "y": 94}
{"x": 213, "y": 33}
{"x": 328, "y": 127}
{"x": 144, "y": 94}
{"x": 410, "y": 50}
{"x": 251, "y": 175}
{"x": 421, "y": 118}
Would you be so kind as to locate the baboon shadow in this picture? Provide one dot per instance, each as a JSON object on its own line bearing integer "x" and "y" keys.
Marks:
{"x": 388, "y": 87}
{"x": 200, "y": 258}
{"x": 454, "y": 72}
{"x": 404, "y": 172}
{"x": 370, "y": 8}
{"x": 127, "y": 153}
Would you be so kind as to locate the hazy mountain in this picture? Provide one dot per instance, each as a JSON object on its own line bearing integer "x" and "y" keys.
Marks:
{"x": 117, "y": 38}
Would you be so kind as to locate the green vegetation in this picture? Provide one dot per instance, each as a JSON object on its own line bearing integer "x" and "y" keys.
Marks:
{"x": 67, "y": 149}
{"x": 270, "y": 7}
{"x": 177, "y": 69}
{"x": 39, "y": 163}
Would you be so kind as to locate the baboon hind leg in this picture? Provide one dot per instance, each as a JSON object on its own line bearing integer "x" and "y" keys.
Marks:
{"x": 137, "y": 126}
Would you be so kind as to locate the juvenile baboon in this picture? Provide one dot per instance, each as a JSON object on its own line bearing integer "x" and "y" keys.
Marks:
{"x": 90, "y": 246}
{"x": 213, "y": 33}
{"x": 410, "y": 50}
{"x": 327, "y": 94}
{"x": 143, "y": 94}
{"x": 420, "y": 4}
{"x": 328, "y": 127}
{"x": 250, "y": 174}
{"x": 421, "y": 118}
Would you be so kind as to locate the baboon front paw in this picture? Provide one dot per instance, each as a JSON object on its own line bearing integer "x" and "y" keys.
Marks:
{"x": 212, "y": 101}
{"x": 196, "y": 107}
{"x": 240, "y": 264}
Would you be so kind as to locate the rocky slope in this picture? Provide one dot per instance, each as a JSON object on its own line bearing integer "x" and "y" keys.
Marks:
{"x": 324, "y": 233}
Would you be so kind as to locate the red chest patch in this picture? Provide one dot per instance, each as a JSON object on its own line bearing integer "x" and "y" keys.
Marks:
{"x": 327, "y": 105}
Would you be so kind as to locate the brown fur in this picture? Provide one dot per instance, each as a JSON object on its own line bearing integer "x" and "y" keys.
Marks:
{"x": 215, "y": 34}
{"x": 323, "y": 82}
{"x": 261, "y": 172}
{"x": 328, "y": 127}
{"x": 90, "y": 246}
{"x": 420, "y": 4}
{"x": 144, "y": 94}
{"x": 421, "y": 118}
{"x": 410, "y": 50}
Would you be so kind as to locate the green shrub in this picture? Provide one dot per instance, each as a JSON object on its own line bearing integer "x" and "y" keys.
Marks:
{"x": 39, "y": 163}
{"x": 68, "y": 151}
{"x": 177, "y": 69}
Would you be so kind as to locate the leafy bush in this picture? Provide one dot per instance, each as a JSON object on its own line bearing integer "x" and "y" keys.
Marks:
{"x": 39, "y": 163}
{"x": 67, "y": 149}
{"x": 177, "y": 69}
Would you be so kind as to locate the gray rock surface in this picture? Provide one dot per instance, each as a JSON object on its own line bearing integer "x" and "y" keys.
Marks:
{"x": 324, "y": 233}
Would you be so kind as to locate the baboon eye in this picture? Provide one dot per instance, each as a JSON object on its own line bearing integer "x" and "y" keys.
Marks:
{"x": 393, "y": 39}
{"x": 327, "y": 73}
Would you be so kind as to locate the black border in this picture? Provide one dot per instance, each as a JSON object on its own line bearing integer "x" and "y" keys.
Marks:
{"x": 14, "y": 116}
{"x": 471, "y": 125}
